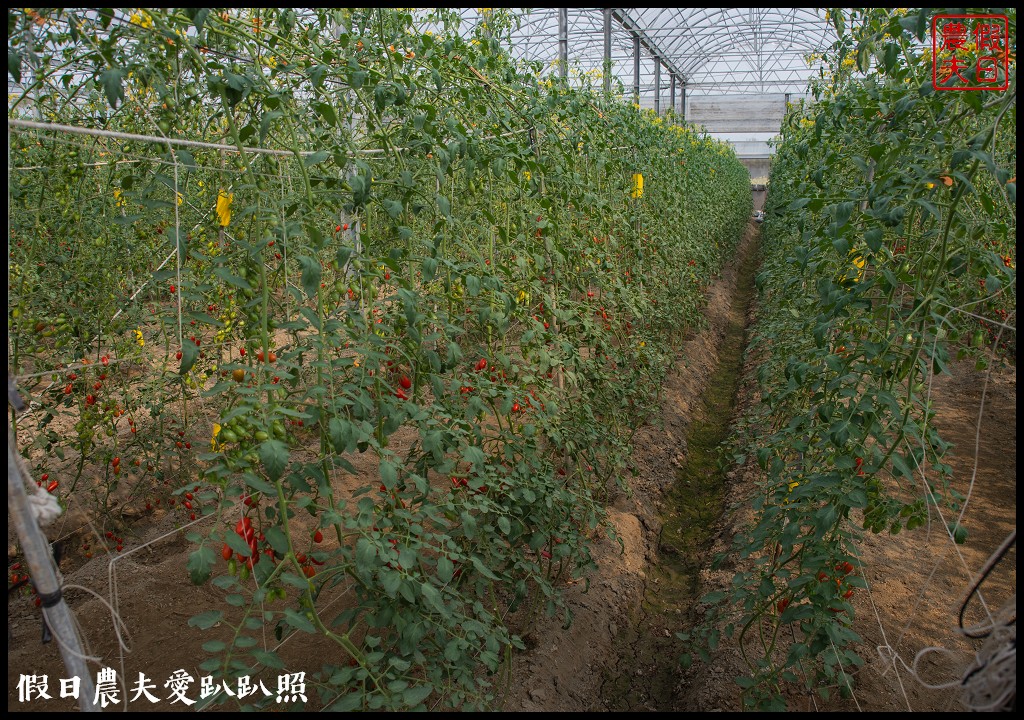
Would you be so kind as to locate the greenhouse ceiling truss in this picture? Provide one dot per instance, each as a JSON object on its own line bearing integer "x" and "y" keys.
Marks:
{"x": 667, "y": 53}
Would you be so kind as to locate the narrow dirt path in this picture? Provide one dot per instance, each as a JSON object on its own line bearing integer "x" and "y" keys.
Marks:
{"x": 907, "y": 620}
{"x": 646, "y": 676}
{"x": 620, "y": 652}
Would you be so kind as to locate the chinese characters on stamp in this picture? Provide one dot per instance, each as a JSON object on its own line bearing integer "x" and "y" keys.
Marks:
{"x": 970, "y": 52}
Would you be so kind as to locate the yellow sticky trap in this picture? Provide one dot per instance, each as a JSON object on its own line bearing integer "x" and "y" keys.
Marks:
{"x": 638, "y": 186}
{"x": 224, "y": 199}
{"x": 859, "y": 262}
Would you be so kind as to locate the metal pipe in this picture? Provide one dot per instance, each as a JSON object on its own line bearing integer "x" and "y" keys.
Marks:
{"x": 636, "y": 68}
{"x": 39, "y": 558}
{"x": 657, "y": 86}
{"x": 672, "y": 91}
{"x": 607, "y": 52}
{"x": 563, "y": 41}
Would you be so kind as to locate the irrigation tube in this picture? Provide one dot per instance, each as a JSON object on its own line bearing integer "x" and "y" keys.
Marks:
{"x": 39, "y": 559}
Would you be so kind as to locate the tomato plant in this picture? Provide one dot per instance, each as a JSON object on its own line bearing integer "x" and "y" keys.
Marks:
{"x": 891, "y": 213}
{"x": 396, "y": 244}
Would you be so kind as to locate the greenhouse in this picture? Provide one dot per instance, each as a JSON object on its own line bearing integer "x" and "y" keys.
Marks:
{"x": 512, "y": 359}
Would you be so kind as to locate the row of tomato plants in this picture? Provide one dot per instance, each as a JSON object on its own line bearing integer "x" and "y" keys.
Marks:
{"x": 470, "y": 274}
{"x": 889, "y": 248}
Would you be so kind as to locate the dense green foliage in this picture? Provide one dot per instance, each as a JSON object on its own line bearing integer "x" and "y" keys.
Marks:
{"x": 890, "y": 232}
{"x": 448, "y": 266}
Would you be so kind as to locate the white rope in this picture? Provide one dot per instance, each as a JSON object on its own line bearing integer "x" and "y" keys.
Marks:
{"x": 177, "y": 242}
{"x": 45, "y": 506}
{"x": 846, "y": 680}
{"x": 32, "y": 125}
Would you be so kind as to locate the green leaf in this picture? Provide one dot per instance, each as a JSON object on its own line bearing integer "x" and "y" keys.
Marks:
{"x": 200, "y": 564}
{"x": 873, "y": 238}
{"x": 311, "y": 274}
{"x": 277, "y": 539}
{"x": 483, "y": 569}
{"x": 266, "y": 121}
{"x": 270, "y": 659}
{"x": 297, "y": 621}
{"x": 231, "y": 279}
{"x": 388, "y": 474}
{"x": 198, "y": 17}
{"x": 111, "y": 80}
{"x": 238, "y": 544}
{"x": 316, "y": 158}
{"x": 258, "y": 484}
{"x": 366, "y": 553}
{"x": 415, "y": 695}
{"x": 842, "y": 213}
{"x": 326, "y": 111}
{"x": 206, "y": 620}
{"x": 390, "y": 581}
{"x": 14, "y": 64}
{"x": 444, "y": 206}
{"x": 474, "y": 456}
{"x": 429, "y": 269}
{"x": 713, "y": 598}
{"x": 433, "y": 597}
{"x": 901, "y": 466}
{"x": 745, "y": 681}
{"x": 189, "y": 355}
{"x": 959, "y": 533}
{"x": 795, "y": 613}
{"x": 274, "y": 456}
{"x": 445, "y": 569}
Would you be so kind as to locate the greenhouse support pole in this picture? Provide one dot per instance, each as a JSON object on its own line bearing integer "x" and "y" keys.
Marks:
{"x": 657, "y": 86}
{"x": 39, "y": 559}
{"x": 563, "y": 41}
{"x": 672, "y": 91}
{"x": 607, "y": 52}
{"x": 682, "y": 100}
{"x": 636, "y": 68}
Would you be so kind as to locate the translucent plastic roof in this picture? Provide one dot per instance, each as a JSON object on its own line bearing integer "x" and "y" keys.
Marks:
{"x": 712, "y": 51}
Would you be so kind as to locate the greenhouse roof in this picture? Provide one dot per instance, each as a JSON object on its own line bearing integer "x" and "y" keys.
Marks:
{"x": 707, "y": 51}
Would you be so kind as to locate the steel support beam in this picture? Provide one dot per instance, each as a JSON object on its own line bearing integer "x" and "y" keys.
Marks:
{"x": 563, "y": 41}
{"x": 636, "y": 68}
{"x": 607, "y": 67}
{"x": 657, "y": 86}
{"x": 639, "y": 36}
{"x": 672, "y": 91}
